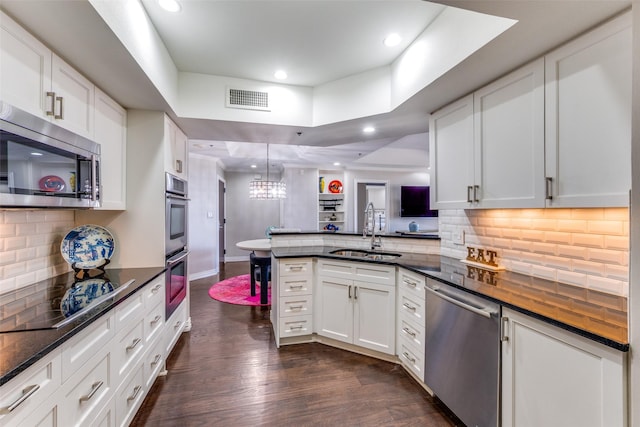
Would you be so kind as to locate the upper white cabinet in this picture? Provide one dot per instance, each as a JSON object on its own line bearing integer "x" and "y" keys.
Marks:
{"x": 175, "y": 149}
{"x": 509, "y": 140}
{"x": 588, "y": 118}
{"x": 34, "y": 79}
{"x": 451, "y": 151}
{"x": 551, "y": 377}
{"x": 488, "y": 148}
{"x": 111, "y": 134}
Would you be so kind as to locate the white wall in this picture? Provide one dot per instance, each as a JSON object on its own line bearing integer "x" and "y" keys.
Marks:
{"x": 299, "y": 209}
{"x": 203, "y": 216}
{"x": 247, "y": 219}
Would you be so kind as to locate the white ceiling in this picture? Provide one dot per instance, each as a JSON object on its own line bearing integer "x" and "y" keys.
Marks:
{"x": 317, "y": 42}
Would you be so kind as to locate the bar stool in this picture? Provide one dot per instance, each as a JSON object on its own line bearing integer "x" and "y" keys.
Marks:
{"x": 260, "y": 266}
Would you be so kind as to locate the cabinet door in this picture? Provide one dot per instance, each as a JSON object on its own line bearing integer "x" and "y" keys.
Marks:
{"x": 25, "y": 69}
{"x": 335, "y": 308}
{"x": 175, "y": 150}
{"x": 509, "y": 140}
{"x": 111, "y": 134}
{"x": 451, "y": 151}
{"x": 551, "y": 377}
{"x": 374, "y": 316}
{"x": 588, "y": 118}
{"x": 74, "y": 104}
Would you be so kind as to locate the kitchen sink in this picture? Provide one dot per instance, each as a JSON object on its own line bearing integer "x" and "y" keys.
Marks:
{"x": 361, "y": 253}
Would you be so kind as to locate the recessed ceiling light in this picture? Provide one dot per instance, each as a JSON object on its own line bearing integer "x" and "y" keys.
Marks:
{"x": 253, "y": 166}
{"x": 170, "y": 5}
{"x": 369, "y": 129}
{"x": 35, "y": 153}
{"x": 392, "y": 40}
{"x": 280, "y": 75}
{"x": 336, "y": 163}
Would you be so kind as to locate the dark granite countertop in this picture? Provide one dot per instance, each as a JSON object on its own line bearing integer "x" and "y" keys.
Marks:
{"x": 19, "y": 350}
{"x": 596, "y": 315}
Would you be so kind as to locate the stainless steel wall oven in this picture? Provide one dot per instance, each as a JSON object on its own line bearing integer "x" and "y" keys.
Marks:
{"x": 176, "y": 242}
{"x": 44, "y": 165}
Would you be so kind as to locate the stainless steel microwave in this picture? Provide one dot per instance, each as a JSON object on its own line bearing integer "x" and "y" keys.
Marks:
{"x": 44, "y": 165}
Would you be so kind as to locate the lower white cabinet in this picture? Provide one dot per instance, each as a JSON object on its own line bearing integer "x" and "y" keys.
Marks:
{"x": 411, "y": 327}
{"x": 293, "y": 288}
{"x": 551, "y": 377}
{"x": 356, "y": 304}
{"x": 175, "y": 326}
{"x": 129, "y": 396}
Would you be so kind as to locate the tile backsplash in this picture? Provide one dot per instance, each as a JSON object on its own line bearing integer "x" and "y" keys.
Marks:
{"x": 30, "y": 246}
{"x": 585, "y": 247}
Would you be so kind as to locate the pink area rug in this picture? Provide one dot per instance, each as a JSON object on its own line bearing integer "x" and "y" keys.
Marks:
{"x": 237, "y": 290}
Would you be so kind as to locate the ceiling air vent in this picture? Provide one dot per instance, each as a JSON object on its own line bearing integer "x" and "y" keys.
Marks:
{"x": 248, "y": 99}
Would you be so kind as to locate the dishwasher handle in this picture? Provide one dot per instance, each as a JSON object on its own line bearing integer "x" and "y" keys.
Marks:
{"x": 477, "y": 310}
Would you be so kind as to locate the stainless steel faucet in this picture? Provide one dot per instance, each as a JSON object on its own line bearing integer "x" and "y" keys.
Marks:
{"x": 370, "y": 220}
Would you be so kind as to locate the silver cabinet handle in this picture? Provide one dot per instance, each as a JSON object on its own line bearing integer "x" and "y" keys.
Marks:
{"x": 349, "y": 291}
{"x": 295, "y": 268}
{"x": 156, "y": 360}
{"x": 177, "y": 325}
{"x": 295, "y": 307}
{"x": 409, "y": 307}
{"x": 297, "y": 327}
{"x": 410, "y": 283}
{"x": 60, "y": 116}
{"x": 549, "y": 188}
{"x": 27, "y": 392}
{"x": 504, "y": 329}
{"x": 133, "y": 344}
{"x": 156, "y": 288}
{"x": 155, "y": 320}
{"x": 409, "y": 358}
{"x": 293, "y": 287}
{"x": 409, "y": 332}
{"x": 355, "y": 292}
{"x": 52, "y": 95}
{"x": 476, "y": 188}
{"x": 136, "y": 390}
{"x": 469, "y": 199}
{"x": 94, "y": 388}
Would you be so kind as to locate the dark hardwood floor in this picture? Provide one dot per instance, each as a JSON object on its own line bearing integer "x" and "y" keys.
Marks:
{"x": 227, "y": 372}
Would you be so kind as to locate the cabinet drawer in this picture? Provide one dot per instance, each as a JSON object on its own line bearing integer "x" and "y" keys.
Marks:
{"x": 154, "y": 323}
{"x": 127, "y": 349}
{"x": 87, "y": 343}
{"x": 412, "y": 360}
{"x": 296, "y": 267}
{"x": 296, "y": 325}
{"x": 412, "y": 307}
{"x": 130, "y": 310}
{"x": 154, "y": 292}
{"x": 295, "y": 285}
{"x": 373, "y": 273}
{"x": 410, "y": 333}
{"x": 88, "y": 391}
{"x": 341, "y": 269}
{"x": 296, "y": 305}
{"x": 174, "y": 326}
{"x": 153, "y": 363}
{"x": 411, "y": 284}
{"x": 38, "y": 382}
{"x": 129, "y": 396}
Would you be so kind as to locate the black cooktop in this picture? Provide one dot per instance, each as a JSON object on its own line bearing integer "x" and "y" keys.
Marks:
{"x": 56, "y": 302}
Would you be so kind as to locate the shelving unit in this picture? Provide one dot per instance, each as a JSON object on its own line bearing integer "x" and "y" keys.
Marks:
{"x": 331, "y": 206}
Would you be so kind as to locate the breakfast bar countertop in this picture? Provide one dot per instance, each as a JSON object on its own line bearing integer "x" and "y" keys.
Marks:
{"x": 593, "y": 314}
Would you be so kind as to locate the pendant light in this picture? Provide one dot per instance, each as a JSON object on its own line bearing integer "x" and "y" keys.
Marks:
{"x": 267, "y": 190}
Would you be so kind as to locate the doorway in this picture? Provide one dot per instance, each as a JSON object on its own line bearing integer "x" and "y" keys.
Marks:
{"x": 376, "y": 192}
{"x": 221, "y": 223}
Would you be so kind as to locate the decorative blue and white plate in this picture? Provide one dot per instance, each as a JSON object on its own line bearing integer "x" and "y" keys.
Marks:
{"x": 87, "y": 246}
{"x": 81, "y": 294}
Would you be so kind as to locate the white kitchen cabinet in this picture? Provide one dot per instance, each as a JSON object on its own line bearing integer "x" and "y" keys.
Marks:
{"x": 488, "y": 147}
{"x": 411, "y": 314}
{"x": 509, "y": 140}
{"x": 174, "y": 326}
{"x": 175, "y": 149}
{"x": 331, "y": 204}
{"x": 552, "y": 377}
{"x": 38, "y": 383}
{"x": 588, "y": 118}
{"x": 356, "y": 304}
{"x": 129, "y": 396}
{"x": 111, "y": 134}
{"x": 25, "y": 68}
{"x": 294, "y": 292}
{"x": 35, "y": 79}
{"x": 451, "y": 151}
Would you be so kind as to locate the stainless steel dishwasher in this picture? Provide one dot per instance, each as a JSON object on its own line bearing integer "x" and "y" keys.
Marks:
{"x": 462, "y": 354}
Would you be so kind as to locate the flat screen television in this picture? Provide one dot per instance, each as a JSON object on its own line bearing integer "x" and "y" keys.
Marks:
{"x": 414, "y": 202}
